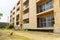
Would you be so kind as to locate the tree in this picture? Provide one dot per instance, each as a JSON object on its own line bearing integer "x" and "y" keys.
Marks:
{"x": 1, "y": 15}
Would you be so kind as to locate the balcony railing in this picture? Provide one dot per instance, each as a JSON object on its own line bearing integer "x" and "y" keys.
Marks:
{"x": 37, "y": 0}
{"x": 24, "y": 1}
{"x": 25, "y": 26}
{"x": 13, "y": 16}
{"x": 17, "y": 20}
{"x": 18, "y": 12}
{"x": 18, "y": 3}
{"x": 45, "y": 6}
{"x": 26, "y": 6}
{"x": 25, "y": 16}
{"x": 18, "y": 6}
{"x": 17, "y": 23}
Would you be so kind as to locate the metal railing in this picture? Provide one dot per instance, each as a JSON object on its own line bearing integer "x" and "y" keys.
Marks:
{"x": 25, "y": 16}
{"x": 25, "y": 26}
{"x": 26, "y": 6}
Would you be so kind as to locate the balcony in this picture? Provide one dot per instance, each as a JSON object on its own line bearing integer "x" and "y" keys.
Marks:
{"x": 25, "y": 25}
{"x": 45, "y": 22}
{"x": 26, "y": 6}
{"x": 17, "y": 20}
{"x": 24, "y": 1}
{"x": 14, "y": 10}
{"x": 26, "y": 16}
{"x": 37, "y": 0}
{"x": 48, "y": 5}
{"x": 18, "y": 12}
{"x": 13, "y": 16}
{"x": 40, "y": 1}
{"x": 10, "y": 16}
{"x": 17, "y": 23}
{"x": 18, "y": 3}
{"x": 18, "y": 6}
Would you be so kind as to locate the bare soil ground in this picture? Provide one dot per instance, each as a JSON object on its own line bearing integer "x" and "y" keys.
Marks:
{"x": 28, "y": 35}
{"x": 5, "y": 35}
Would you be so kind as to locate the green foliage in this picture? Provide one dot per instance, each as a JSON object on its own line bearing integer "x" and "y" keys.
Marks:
{"x": 10, "y": 26}
{"x": 1, "y": 14}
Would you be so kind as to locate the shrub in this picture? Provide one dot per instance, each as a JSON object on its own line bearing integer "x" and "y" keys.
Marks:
{"x": 10, "y": 26}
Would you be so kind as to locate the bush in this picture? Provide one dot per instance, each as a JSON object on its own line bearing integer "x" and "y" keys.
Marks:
{"x": 10, "y": 26}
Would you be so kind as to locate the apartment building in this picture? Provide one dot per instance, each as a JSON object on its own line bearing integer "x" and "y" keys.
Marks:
{"x": 14, "y": 15}
{"x": 36, "y": 14}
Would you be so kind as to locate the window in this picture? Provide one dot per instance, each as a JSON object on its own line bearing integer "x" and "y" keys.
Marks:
{"x": 46, "y": 22}
{"x": 13, "y": 8}
{"x": 10, "y": 20}
{"x": 50, "y": 21}
{"x": 17, "y": 17}
{"x": 17, "y": 23}
{"x": 13, "y": 13}
{"x": 48, "y": 5}
{"x": 42, "y": 22}
{"x": 26, "y": 5}
{"x": 18, "y": 9}
{"x": 18, "y": 3}
{"x": 10, "y": 15}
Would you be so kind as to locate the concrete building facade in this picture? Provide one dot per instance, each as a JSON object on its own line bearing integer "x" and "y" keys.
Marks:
{"x": 36, "y": 14}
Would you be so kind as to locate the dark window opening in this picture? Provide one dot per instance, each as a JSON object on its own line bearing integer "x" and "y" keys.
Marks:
{"x": 45, "y": 22}
{"x": 46, "y": 6}
{"x": 18, "y": 3}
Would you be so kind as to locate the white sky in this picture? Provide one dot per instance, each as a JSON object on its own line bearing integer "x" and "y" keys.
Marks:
{"x": 5, "y": 8}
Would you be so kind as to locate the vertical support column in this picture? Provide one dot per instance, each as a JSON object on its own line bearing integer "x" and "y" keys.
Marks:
{"x": 21, "y": 14}
{"x": 32, "y": 14}
{"x": 56, "y": 4}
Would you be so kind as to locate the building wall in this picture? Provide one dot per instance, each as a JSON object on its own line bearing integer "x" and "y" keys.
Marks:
{"x": 21, "y": 14}
{"x": 33, "y": 15}
{"x": 15, "y": 15}
{"x": 57, "y": 15}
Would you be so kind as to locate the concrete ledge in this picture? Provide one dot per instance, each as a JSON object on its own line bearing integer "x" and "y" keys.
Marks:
{"x": 57, "y": 30}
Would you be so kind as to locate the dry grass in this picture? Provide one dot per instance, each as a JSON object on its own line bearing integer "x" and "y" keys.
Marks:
{"x": 5, "y": 36}
{"x": 22, "y": 35}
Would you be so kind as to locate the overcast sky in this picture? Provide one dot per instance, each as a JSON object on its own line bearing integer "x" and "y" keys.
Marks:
{"x": 5, "y": 8}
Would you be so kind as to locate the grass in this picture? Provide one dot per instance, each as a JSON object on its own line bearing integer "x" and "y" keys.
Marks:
{"x": 5, "y": 36}
{"x": 20, "y": 37}
{"x": 3, "y": 29}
